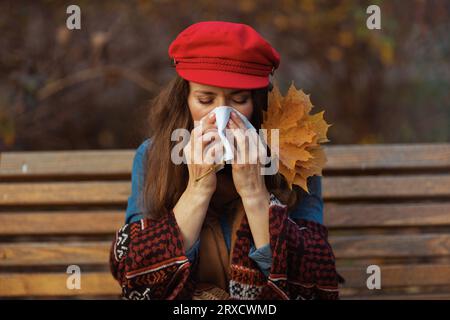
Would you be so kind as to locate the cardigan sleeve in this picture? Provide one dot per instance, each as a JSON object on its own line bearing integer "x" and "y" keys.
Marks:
{"x": 303, "y": 262}
{"x": 148, "y": 260}
{"x": 262, "y": 256}
{"x": 133, "y": 211}
{"x": 310, "y": 207}
{"x": 147, "y": 256}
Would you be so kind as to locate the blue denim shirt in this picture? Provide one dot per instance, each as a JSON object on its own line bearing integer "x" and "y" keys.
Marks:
{"x": 310, "y": 207}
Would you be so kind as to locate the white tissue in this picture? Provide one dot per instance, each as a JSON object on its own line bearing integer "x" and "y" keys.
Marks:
{"x": 222, "y": 116}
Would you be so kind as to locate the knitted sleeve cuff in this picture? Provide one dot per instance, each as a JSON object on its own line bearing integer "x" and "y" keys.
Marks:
{"x": 192, "y": 253}
{"x": 262, "y": 257}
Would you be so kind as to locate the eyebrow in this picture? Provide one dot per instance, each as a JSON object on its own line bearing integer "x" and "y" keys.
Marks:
{"x": 213, "y": 93}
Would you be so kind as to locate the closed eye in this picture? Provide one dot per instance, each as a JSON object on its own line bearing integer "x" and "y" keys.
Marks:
{"x": 206, "y": 102}
{"x": 209, "y": 100}
{"x": 241, "y": 101}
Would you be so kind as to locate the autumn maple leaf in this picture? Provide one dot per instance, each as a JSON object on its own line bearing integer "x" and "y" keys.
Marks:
{"x": 300, "y": 135}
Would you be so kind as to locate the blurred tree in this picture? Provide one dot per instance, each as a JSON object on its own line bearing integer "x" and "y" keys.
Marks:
{"x": 88, "y": 88}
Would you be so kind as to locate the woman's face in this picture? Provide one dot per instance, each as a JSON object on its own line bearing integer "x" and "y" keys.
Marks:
{"x": 203, "y": 98}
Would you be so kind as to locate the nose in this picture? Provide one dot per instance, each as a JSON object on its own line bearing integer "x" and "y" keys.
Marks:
{"x": 223, "y": 100}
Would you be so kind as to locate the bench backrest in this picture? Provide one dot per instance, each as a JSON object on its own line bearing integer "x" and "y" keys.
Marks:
{"x": 385, "y": 205}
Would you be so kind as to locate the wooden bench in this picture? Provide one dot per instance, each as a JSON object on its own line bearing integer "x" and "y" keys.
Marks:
{"x": 384, "y": 204}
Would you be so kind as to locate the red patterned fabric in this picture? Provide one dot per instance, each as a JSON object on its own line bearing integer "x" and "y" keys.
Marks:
{"x": 149, "y": 261}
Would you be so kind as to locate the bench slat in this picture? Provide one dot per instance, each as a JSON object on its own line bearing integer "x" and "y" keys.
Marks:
{"x": 335, "y": 216}
{"x": 55, "y": 253}
{"x": 405, "y": 296}
{"x": 390, "y": 246}
{"x": 117, "y": 192}
{"x": 65, "y": 193}
{"x": 61, "y": 222}
{"x": 393, "y": 187}
{"x": 399, "y": 276}
{"x": 119, "y": 162}
{"x": 62, "y": 163}
{"x": 388, "y": 156}
{"x": 344, "y": 247}
{"x": 54, "y": 284}
{"x": 386, "y": 215}
{"x": 102, "y": 283}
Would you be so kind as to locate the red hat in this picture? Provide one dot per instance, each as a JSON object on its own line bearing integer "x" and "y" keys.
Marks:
{"x": 224, "y": 54}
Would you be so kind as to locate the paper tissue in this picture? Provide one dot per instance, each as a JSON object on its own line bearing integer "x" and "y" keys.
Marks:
{"x": 223, "y": 114}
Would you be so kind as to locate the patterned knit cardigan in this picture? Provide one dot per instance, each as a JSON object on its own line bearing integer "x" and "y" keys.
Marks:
{"x": 149, "y": 261}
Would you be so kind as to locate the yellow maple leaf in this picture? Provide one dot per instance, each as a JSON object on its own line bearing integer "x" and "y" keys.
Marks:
{"x": 300, "y": 135}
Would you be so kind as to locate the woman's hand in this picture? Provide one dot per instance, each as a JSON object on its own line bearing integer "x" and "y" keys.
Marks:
{"x": 249, "y": 182}
{"x": 191, "y": 208}
{"x": 199, "y": 153}
{"x": 247, "y": 177}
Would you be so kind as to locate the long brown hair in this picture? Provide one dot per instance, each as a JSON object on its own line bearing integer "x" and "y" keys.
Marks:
{"x": 165, "y": 181}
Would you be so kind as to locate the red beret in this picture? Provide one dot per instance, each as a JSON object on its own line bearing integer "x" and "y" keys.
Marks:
{"x": 224, "y": 54}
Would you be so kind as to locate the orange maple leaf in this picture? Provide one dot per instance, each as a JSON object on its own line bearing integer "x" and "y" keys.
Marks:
{"x": 300, "y": 135}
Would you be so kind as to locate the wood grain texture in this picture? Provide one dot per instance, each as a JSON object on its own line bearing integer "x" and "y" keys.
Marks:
{"x": 88, "y": 222}
{"x": 117, "y": 192}
{"x": 119, "y": 162}
{"x": 388, "y": 156}
{"x": 54, "y": 284}
{"x": 55, "y": 253}
{"x": 390, "y": 246}
{"x": 62, "y": 163}
{"x": 399, "y": 276}
{"x": 386, "y": 187}
{"x": 65, "y": 193}
{"x": 386, "y": 215}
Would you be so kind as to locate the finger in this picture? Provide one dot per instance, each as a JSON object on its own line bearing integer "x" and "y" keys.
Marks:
{"x": 253, "y": 151}
{"x": 211, "y": 153}
{"x": 253, "y": 143}
{"x": 206, "y": 122}
{"x": 208, "y": 119}
{"x": 255, "y": 146}
{"x": 250, "y": 135}
{"x": 204, "y": 143}
{"x": 209, "y": 137}
{"x": 240, "y": 143}
{"x": 201, "y": 137}
{"x": 248, "y": 145}
{"x": 238, "y": 120}
{"x": 235, "y": 130}
{"x": 200, "y": 141}
{"x": 217, "y": 146}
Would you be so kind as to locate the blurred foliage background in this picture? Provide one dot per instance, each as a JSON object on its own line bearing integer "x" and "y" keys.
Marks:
{"x": 89, "y": 88}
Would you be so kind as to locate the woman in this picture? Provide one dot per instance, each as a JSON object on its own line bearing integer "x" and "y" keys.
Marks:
{"x": 232, "y": 234}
